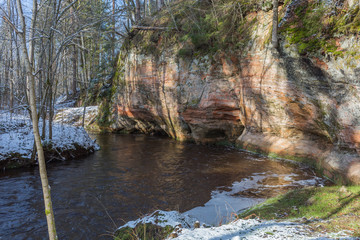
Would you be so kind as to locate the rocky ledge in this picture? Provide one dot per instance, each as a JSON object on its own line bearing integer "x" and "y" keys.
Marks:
{"x": 283, "y": 103}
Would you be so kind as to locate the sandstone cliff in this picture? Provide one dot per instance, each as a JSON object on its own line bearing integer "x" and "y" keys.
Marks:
{"x": 301, "y": 102}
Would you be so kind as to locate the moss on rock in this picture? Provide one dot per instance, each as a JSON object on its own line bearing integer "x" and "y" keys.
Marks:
{"x": 314, "y": 27}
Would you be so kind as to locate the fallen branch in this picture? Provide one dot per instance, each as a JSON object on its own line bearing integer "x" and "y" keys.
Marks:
{"x": 120, "y": 34}
{"x": 150, "y": 28}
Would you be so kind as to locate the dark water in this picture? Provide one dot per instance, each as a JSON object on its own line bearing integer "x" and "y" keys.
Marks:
{"x": 128, "y": 177}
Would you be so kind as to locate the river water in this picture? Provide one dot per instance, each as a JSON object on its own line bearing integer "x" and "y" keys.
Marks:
{"x": 133, "y": 175}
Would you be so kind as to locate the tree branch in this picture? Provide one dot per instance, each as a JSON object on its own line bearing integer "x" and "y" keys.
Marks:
{"x": 151, "y": 28}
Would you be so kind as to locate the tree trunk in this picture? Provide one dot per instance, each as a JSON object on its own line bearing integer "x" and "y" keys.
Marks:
{"x": 84, "y": 110}
{"x": 74, "y": 58}
{"x": 51, "y": 112}
{"x": 137, "y": 11}
{"x": 149, "y": 7}
{"x": 274, "y": 37}
{"x": 43, "y": 133}
{"x": 11, "y": 61}
{"x": 66, "y": 78}
{"x": 114, "y": 30}
{"x": 7, "y": 71}
{"x": 29, "y": 64}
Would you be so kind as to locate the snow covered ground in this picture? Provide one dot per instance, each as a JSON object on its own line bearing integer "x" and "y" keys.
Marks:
{"x": 66, "y": 113}
{"x": 163, "y": 219}
{"x": 236, "y": 230}
{"x": 256, "y": 229}
{"x": 16, "y": 137}
{"x": 74, "y": 115}
{"x": 225, "y": 202}
{"x": 220, "y": 210}
{"x": 64, "y": 101}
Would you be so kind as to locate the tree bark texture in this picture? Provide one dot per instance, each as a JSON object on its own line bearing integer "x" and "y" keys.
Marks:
{"x": 29, "y": 63}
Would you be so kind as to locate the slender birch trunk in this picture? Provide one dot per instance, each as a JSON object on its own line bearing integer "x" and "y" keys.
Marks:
{"x": 29, "y": 65}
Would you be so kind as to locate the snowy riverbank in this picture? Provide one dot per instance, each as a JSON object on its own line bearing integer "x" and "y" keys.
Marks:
{"x": 257, "y": 229}
{"x": 16, "y": 141}
{"x": 181, "y": 226}
{"x": 226, "y": 216}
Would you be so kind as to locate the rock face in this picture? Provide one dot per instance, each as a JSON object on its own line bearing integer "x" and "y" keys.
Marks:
{"x": 277, "y": 103}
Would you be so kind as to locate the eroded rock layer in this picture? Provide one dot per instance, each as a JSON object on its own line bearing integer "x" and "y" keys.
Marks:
{"x": 274, "y": 102}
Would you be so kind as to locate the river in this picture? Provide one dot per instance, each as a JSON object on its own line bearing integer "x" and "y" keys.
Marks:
{"x": 133, "y": 175}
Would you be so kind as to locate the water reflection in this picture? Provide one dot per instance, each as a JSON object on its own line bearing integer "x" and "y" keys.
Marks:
{"x": 131, "y": 176}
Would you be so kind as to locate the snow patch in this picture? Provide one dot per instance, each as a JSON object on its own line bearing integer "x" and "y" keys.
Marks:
{"x": 64, "y": 101}
{"x": 239, "y": 229}
{"x": 16, "y": 136}
{"x": 223, "y": 207}
{"x": 74, "y": 116}
{"x": 163, "y": 219}
{"x": 256, "y": 229}
{"x": 226, "y": 203}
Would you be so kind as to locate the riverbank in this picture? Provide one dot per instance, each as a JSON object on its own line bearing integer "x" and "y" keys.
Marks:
{"x": 308, "y": 213}
{"x": 16, "y": 142}
{"x": 326, "y": 209}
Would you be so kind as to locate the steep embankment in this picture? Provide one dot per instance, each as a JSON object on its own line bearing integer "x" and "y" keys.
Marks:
{"x": 211, "y": 76}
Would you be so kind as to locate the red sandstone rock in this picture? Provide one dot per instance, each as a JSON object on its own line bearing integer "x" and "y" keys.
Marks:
{"x": 292, "y": 107}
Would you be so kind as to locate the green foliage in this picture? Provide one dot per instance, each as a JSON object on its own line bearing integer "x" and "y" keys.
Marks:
{"x": 150, "y": 48}
{"x": 340, "y": 205}
{"x": 309, "y": 162}
{"x": 105, "y": 108}
{"x": 197, "y": 28}
{"x": 306, "y": 29}
{"x": 314, "y": 26}
{"x": 219, "y": 26}
{"x": 107, "y": 93}
{"x": 349, "y": 22}
{"x": 225, "y": 143}
{"x": 185, "y": 52}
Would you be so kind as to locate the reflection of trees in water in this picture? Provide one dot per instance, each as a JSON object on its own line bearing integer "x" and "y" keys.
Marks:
{"x": 163, "y": 174}
{"x": 133, "y": 175}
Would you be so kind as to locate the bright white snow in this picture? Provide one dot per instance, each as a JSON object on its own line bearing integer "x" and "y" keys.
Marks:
{"x": 225, "y": 202}
{"x": 255, "y": 230}
{"x": 16, "y": 136}
{"x": 163, "y": 219}
{"x": 236, "y": 230}
{"x": 221, "y": 208}
{"x": 74, "y": 115}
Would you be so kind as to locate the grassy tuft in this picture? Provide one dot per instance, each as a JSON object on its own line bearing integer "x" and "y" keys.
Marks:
{"x": 143, "y": 231}
{"x": 339, "y": 205}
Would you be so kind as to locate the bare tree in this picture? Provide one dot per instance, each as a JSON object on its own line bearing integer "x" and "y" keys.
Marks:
{"x": 28, "y": 58}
